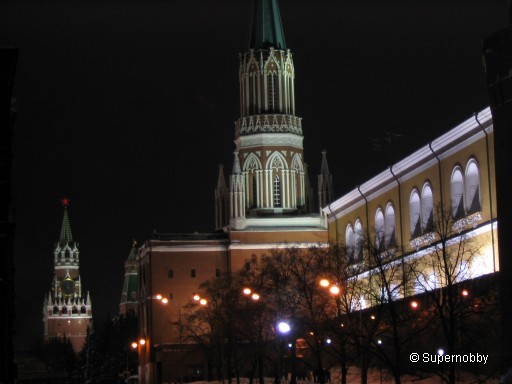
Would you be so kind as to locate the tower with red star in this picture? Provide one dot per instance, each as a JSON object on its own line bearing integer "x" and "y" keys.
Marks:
{"x": 67, "y": 310}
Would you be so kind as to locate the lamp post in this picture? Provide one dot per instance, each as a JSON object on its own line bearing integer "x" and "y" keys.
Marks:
{"x": 335, "y": 292}
{"x": 288, "y": 331}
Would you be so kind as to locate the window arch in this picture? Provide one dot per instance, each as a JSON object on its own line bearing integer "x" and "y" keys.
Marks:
{"x": 350, "y": 241}
{"x": 379, "y": 229}
{"x": 427, "y": 208}
{"x": 390, "y": 226}
{"x": 457, "y": 193}
{"x": 415, "y": 213}
{"x": 358, "y": 240}
{"x": 277, "y": 191}
{"x": 273, "y": 91}
{"x": 472, "y": 187}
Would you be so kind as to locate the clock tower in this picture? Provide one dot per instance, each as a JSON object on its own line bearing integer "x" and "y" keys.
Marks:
{"x": 67, "y": 310}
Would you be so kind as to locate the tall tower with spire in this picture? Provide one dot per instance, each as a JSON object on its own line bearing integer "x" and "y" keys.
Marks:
{"x": 67, "y": 311}
{"x": 129, "y": 297}
{"x": 268, "y": 135}
{"x": 269, "y": 177}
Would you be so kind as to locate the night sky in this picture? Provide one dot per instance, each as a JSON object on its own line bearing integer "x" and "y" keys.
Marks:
{"x": 128, "y": 107}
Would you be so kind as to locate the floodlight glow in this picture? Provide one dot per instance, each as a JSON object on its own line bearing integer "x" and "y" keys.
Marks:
{"x": 142, "y": 341}
{"x": 255, "y": 296}
{"x": 379, "y": 342}
{"x": 203, "y": 301}
{"x": 134, "y": 345}
{"x": 165, "y": 300}
{"x": 328, "y": 341}
{"x": 196, "y": 297}
{"x": 283, "y": 327}
{"x": 440, "y": 352}
{"x": 159, "y": 296}
{"x": 465, "y": 292}
{"x": 414, "y": 304}
{"x": 324, "y": 283}
{"x": 247, "y": 291}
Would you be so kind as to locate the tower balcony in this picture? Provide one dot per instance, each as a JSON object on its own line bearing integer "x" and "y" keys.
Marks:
{"x": 271, "y": 123}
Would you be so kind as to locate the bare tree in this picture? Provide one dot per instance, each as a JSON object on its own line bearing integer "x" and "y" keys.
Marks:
{"x": 445, "y": 264}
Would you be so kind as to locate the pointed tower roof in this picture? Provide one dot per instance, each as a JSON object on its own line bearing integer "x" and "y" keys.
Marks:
{"x": 325, "y": 168}
{"x": 65, "y": 232}
{"x": 236, "y": 164}
{"x": 266, "y": 27}
{"x": 221, "y": 181}
{"x": 133, "y": 252}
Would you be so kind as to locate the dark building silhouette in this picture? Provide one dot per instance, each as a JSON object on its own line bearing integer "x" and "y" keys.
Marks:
{"x": 8, "y": 59}
{"x": 497, "y": 51}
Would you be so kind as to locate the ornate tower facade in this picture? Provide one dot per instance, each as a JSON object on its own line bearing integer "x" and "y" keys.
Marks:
{"x": 67, "y": 310}
{"x": 129, "y": 297}
{"x": 269, "y": 172}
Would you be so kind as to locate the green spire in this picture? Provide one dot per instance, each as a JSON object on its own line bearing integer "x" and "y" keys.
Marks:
{"x": 266, "y": 27}
{"x": 133, "y": 252}
{"x": 65, "y": 232}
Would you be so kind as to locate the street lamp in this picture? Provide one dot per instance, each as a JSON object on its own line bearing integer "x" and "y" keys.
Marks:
{"x": 284, "y": 327}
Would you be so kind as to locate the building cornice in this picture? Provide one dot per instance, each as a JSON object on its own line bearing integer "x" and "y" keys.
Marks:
{"x": 459, "y": 137}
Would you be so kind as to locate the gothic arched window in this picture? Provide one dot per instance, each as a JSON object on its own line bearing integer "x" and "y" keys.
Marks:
{"x": 358, "y": 240}
{"x": 277, "y": 191}
{"x": 457, "y": 193}
{"x": 379, "y": 229}
{"x": 350, "y": 241}
{"x": 472, "y": 187}
{"x": 415, "y": 213}
{"x": 390, "y": 226}
{"x": 427, "y": 208}
{"x": 273, "y": 81}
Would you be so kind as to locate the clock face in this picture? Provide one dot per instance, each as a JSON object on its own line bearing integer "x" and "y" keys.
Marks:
{"x": 67, "y": 287}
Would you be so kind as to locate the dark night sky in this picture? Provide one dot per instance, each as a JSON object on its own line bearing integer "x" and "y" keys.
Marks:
{"x": 127, "y": 108}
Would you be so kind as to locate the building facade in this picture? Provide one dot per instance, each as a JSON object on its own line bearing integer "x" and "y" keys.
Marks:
{"x": 67, "y": 309}
{"x": 397, "y": 213}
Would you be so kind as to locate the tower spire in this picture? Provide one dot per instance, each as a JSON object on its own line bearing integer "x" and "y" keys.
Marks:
{"x": 65, "y": 232}
{"x": 221, "y": 201}
{"x": 324, "y": 183}
{"x": 266, "y": 27}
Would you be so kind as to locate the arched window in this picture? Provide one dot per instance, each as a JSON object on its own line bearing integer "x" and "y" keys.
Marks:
{"x": 379, "y": 229}
{"x": 64, "y": 310}
{"x": 350, "y": 241}
{"x": 83, "y": 310}
{"x": 427, "y": 208}
{"x": 457, "y": 189}
{"x": 74, "y": 311}
{"x": 414, "y": 213}
{"x": 358, "y": 240}
{"x": 272, "y": 91}
{"x": 472, "y": 187}
{"x": 277, "y": 191}
{"x": 55, "y": 310}
{"x": 390, "y": 226}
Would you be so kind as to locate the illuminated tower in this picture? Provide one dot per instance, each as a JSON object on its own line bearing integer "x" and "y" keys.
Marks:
{"x": 268, "y": 175}
{"x": 129, "y": 299}
{"x": 67, "y": 309}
